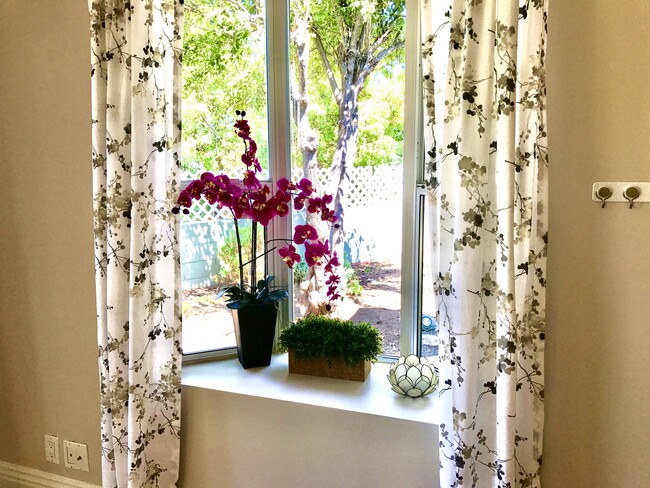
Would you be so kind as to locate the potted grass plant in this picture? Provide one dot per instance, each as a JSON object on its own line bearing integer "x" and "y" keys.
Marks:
{"x": 253, "y": 301}
{"x": 330, "y": 347}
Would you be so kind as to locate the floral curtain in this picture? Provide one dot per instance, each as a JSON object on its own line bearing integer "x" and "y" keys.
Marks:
{"x": 486, "y": 167}
{"x": 136, "y": 55}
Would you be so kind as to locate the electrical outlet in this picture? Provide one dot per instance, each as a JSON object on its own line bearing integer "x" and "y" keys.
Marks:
{"x": 75, "y": 455}
{"x": 52, "y": 449}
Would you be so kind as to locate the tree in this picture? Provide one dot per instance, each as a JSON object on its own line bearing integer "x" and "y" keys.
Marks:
{"x": 310, "y": 289}
{"x": 222, "y": 72}
{"x": 353, "y": 38}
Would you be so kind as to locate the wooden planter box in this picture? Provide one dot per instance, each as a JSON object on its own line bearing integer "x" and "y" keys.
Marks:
{"x": 335, "y": 368}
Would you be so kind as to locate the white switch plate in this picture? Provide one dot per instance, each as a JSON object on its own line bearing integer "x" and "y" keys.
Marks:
{"x": 75, "y": 455}
{"x": 52, "y": 449}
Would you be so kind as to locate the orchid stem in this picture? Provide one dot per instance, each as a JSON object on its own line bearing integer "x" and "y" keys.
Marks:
{"x": 261, "y": 255}
{"x": 253, "y": 255}
{"x": 241, "y": 266}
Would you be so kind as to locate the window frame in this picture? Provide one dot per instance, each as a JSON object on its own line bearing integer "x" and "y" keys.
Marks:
{"x": 412, "y": 215}
{"x": 279, "y": 142}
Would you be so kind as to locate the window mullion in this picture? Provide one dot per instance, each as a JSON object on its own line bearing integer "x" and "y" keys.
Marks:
{"x": 413, "y": 174}
{"x": 278, "y": 107}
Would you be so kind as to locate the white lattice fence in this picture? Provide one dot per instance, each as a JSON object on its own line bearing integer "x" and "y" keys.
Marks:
{"x": 368, "y": 187}
{"x": 374, "y": 198}
{"x": 202, "y": 211}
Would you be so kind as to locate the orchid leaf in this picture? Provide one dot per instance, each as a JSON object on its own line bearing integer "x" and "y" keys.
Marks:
{"x": 237, "y": 297}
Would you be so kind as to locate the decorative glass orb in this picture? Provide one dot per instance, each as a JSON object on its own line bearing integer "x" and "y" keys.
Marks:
{"x": 412, "y": 376}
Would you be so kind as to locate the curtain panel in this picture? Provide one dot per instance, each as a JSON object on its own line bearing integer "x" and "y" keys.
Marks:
{"x": 136, "y": 90}
{"x": 486, "y": 170}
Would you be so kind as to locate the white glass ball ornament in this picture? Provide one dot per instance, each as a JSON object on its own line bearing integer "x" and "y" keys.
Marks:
{"x": 412, "y": 376}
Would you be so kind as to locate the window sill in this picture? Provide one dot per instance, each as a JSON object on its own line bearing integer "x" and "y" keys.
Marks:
{"x": 373, "y": 397}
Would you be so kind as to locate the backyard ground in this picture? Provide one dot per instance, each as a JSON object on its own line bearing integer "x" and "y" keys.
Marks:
{"x": 206, "y": 319}
{"x": 379, "y": 301}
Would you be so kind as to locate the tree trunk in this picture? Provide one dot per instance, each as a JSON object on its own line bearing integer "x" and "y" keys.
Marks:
{"x": 311, "y": 291}
{"x": 343, "y": 161}
{"x": 307, "y": 137}
{"x": 357, "y": 53}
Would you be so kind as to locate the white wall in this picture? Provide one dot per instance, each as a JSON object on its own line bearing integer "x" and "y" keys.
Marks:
{"x": 236, "y": 441}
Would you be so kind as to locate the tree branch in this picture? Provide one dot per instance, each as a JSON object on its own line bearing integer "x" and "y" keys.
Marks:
{"x": 380, "y": 41}
{"x": 210, "y": 127}
{"x": 336, "y": 91}
{"x": 373, "y": 61}
{"x": 255, "y": 19}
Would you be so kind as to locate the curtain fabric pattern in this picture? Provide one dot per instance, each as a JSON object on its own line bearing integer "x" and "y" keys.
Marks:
{"x": 136, "y": 55}
{"x": 486, "y": 167}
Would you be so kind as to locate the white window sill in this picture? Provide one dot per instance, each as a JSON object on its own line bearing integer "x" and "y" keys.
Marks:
{"x": 374, "y": 396}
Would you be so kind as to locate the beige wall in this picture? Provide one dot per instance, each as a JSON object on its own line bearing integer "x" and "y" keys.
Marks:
{"x": 598, "y": 394}
{"x": 48, "y": 367}
{"x": 598, "y": 323}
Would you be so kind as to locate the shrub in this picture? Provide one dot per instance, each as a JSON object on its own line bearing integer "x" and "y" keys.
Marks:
{"x": 299, "y": 273}
{"x": 317, "y": 336}
{"x": 354, "y": 288}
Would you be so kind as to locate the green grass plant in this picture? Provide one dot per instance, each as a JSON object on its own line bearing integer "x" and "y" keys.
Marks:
{"x": 317, "y": 336}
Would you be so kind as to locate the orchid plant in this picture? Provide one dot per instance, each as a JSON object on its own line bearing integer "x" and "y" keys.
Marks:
{"x": 254, "y": 200}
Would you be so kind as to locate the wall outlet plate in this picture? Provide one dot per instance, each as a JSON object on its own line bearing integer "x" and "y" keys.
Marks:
{"x": 52, "y": 449}
{"x": 75, "y": 455}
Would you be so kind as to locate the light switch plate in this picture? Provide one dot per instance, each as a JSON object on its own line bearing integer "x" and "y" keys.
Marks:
{"x": 75, "y": 455}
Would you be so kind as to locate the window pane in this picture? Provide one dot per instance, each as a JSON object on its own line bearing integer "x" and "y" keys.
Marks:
{"x": 209, "y": 261}
{"x": 347, "y": 138}
{"x": 429, "y": 324}
{"x": 224, "y": 70}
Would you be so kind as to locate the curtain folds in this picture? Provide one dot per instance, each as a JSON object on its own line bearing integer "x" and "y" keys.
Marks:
{"x": 136, "y": 90}
{"x": 486, "y": 169}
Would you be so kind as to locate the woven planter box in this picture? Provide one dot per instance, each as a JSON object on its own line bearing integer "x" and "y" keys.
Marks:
{"x": 335, "y": 368}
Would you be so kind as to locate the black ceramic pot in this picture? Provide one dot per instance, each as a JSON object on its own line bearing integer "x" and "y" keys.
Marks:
{"x": 254, "y": 331}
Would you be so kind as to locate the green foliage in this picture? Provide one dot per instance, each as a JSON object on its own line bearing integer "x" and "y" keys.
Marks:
{"x": 223, "y": 69}
{"x": 316, "y": 336}
{"x": 237, "y": 297}
{"x": 354, "y": 287}
{"x": 300, "y": 272}
{"x": 338, "y": 21}
{"x": 381, "y": 124}
{"x": 381, "y": 105}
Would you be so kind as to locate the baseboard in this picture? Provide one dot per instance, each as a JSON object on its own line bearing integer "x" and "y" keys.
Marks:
{"x": 20, "y": 476}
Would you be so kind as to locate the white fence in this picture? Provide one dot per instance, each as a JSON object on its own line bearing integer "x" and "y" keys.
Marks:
{"x": 373, "y": 219}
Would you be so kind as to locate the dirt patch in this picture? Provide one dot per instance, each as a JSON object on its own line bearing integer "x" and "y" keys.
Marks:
{"x": 380, "y": 300}
{"x": 378, "y": 303}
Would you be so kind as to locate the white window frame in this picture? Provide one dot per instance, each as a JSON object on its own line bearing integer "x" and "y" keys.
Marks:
{"x": 413, "y": 177}
{"x": 279, "y": 141}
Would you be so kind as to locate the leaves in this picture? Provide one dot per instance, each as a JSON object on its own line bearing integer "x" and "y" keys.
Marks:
{"x": 316, "y": 336}
{"x": 238, "y": 297}
{"x": 222, "y": 68}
